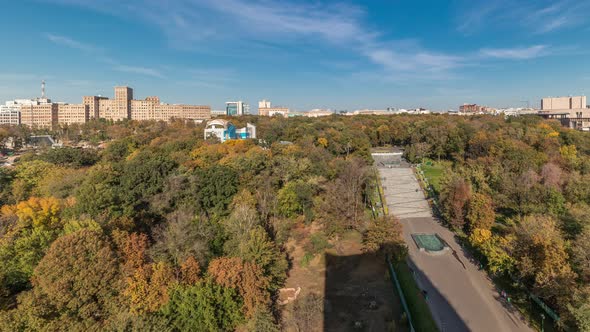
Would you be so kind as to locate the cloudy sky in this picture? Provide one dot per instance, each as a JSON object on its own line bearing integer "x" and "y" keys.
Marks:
{"x": 302, "y": 54}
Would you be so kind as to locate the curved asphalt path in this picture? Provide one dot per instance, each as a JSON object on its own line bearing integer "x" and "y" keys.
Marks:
{"x": 460, "y": 297}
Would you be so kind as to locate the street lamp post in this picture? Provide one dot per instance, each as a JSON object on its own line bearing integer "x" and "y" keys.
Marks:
{"x": 542, "y": 322}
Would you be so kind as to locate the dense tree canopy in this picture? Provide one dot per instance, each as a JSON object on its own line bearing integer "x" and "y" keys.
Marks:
{"x": 151, "y": 227}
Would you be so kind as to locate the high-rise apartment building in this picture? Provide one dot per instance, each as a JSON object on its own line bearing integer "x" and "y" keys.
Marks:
{"x": 122, "y": 103}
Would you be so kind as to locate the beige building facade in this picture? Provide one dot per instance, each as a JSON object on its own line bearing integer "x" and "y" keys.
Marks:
{"x": 42, "y": 113}
{"x": 572, "y": 112}
{"x": 265, "y": 108}
{"x": 563, "y": 103}
{"x": 143, "y": 109}
{"x": 39, "y": 116}
{"x": 272, "y": 111}
{"x": 72, "y": 114}
{"x": 316, "y": 113}
{"x": 125, "y": 107}
{"x": 93, "y": 105}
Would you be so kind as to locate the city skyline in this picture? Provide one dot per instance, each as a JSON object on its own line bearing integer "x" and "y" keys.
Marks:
{"x": 303, "y": 55}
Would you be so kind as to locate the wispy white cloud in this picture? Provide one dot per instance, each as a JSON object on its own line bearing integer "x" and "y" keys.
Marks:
{"x": 71, "y": 43}
{"x": 100, "y": 55}
{"x": 139, "y": 70}
{"x": 420, "y": 62}
{"x": 518, "y": 53}
{"x": 205, "y": 24}
{"x": 537, "y": 16}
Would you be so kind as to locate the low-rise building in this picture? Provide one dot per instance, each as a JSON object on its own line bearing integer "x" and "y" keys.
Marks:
{"x": 315, "y": 113}
{"x": 272, "y": 111}
{"x": 468, "y": 109}
{"x": 216, "y": 113}
{"x": 265, "y": 108}
{"x": 225, "y": 130}
{"x": 389, "y": 111}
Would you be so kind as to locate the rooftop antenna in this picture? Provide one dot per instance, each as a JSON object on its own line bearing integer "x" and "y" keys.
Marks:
{"x": 43, "y": 89}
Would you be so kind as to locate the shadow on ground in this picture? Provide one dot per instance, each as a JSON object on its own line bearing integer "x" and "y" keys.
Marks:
{"x": 444, "y": 314}
{"x": 359, "y": 295}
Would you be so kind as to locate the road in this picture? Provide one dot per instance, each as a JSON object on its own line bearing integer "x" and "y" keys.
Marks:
{"x": 460, "y": 297}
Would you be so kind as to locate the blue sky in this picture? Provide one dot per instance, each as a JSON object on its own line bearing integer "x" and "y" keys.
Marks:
{"x": 301, "y": 54}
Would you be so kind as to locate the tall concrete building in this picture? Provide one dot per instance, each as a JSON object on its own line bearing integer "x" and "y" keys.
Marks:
{"x": 121, "y": 107}
{"x": 93, "y": 105}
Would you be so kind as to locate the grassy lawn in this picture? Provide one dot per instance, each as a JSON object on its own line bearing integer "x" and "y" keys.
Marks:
{"x": 433, "y": 171}
{"x": 419, "y": 310}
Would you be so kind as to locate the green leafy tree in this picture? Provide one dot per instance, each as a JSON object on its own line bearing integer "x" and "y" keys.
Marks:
{"x": 262, "y": 321}
{"x": 27, "y": 177}
{"x": 79, "y": 277}
{"x": 206, "y": 307}
{"x": 72, "y": 157}
{"x": 385, "y": 236}
{"x": 288, "y": 201}
{"x": 99, "y": 194}
{"x": 218, "y": 185}
{"x": 541, "y": 255}
{"x": 36, "y": 223}
{"x": 480, "y": 212}
{"x": 259, "y": 249}
{"x": 144, "y": 176}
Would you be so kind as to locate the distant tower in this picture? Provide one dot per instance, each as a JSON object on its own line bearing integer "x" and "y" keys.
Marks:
{"x": 43, "y": 89}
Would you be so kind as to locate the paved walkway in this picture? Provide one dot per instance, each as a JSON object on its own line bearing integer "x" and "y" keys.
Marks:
{"x": 460, "y": 297}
